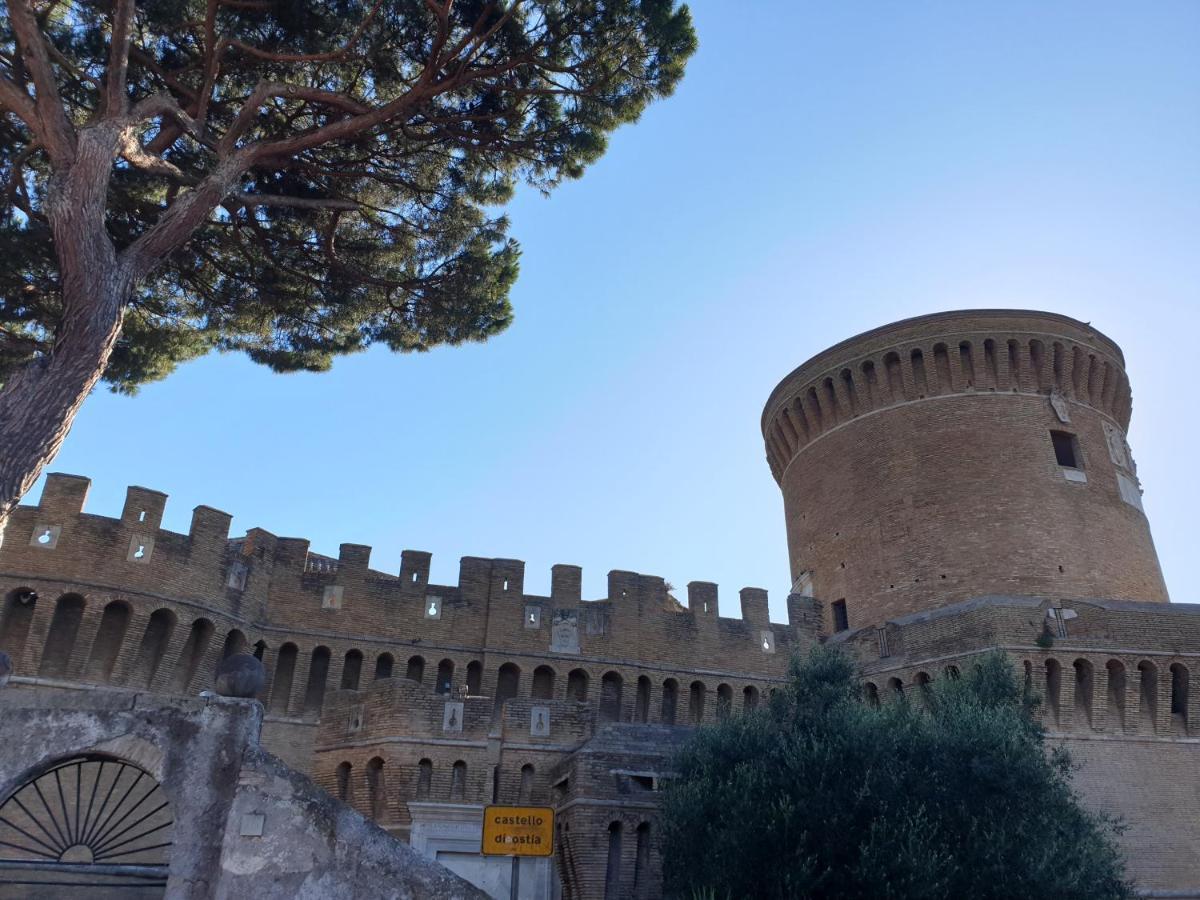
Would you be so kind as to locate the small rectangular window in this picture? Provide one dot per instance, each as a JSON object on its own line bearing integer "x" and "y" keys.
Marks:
{"x": 840, "y": 620}
{"x": 1066, "y": 449}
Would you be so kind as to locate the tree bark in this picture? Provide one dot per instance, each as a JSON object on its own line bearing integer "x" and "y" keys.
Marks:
{"x": 39, "y": 402}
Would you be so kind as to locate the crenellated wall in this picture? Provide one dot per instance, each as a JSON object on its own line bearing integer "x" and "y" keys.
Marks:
{"x": 124, "y": 602}
{"x": 936, "y": 355}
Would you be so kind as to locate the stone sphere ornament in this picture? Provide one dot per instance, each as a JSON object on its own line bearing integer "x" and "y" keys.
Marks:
{"x": 240, "y": 675}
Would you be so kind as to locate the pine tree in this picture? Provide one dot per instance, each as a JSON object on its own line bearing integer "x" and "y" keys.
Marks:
{"x": 292, "y": 179}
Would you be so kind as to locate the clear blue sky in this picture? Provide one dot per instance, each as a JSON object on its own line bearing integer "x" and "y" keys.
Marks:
{"x": 824, "y": 168}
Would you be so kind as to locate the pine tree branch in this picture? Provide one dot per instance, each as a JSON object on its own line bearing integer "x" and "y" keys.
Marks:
{"x": 53, "y": 127}
{"x": 249, "y": 200}
{"x": 16, "y": 100}
{"x": 115, "y": 99}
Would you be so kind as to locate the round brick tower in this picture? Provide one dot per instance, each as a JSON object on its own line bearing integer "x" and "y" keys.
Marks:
{"x": 956, "y": 455}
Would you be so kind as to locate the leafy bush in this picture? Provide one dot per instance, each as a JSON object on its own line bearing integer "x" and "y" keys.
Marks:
{"x": 949, "y": 793}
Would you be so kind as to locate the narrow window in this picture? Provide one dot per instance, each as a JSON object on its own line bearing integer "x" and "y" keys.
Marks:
{"x": 610, "y": 697}
{"x": 153, "y": 647}
{"x": 192, "y": 655}
{"x": 1179, "y": 697}
{"x": 577, "y": 685}
{"x": 543, "y": 683}
{"x": 612, "y": 874}
{"x": 872, "y": 694}
{"x": 351, "y": 670}
{"x": 896, "y": 688}
{"x": 851, "y": 394}
{"x": 375, "y": 788}
{"x": 967, "y": 357}
{"x": 1148, "y": 694}
{"x": 749, "y": 698}
{"x": 641, "y": 709}
{"x": 1037, "y": 360}
{"x": 318, "y": 675}
{"x": 1014, "y": 364}
{"x": 60, "y": 642}
{"x": 641, "y": 866}
{"x": 281, "y": 685}
{"x": 445, "y": 676}
{"x": 696, "y": 702}
{"x": 789, "y": 430}
{"x": 343, "y": 782}
{"x": 924, "y": 688}
{"x": 895, "y": 377}
{"x": 670, "y": 699}
{"x": 871, "y": 379}
{"x": 941, "y": 365}
{"x": 383, "y": 665}
{"x": 920, "y": 382}
{"x": 526, "y": 791}
{"x": 415, "y": 670}
{"x": 109, "y": 637}
{"x": 831, "y": 403}
{"x": 474, "y": 678}
{"x": 1066, "y": 449}
{"x": 458, "y": 781}
{"x": 799, "y": 417}
{"x": 1116, "y": 693}
{"x": 1053, "y": 688}
{"x": 814, "y": 404}
{"x": 507, "y": 683}
{"x": 724, "y": 701}
{"x": 1083, "y": 692}
{"x": 424, "y": 779}
{"x": 990, "y": 365}
{"x": 841, "y": 621}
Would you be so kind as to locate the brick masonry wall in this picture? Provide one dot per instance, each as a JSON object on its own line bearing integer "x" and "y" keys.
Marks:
{"x": 122, "y": 601}
{"x": 1119, "y": 687}
{"x": 917, "y": 467}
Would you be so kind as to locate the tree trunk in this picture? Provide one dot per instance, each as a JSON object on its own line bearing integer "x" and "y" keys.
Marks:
{"x": 39, "y": 402}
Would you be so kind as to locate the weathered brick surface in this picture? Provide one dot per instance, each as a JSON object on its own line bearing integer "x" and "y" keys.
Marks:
{"x": 1123, "y": 702}
{"x": 917, "y": 468}
{"x": 359, "y": 672}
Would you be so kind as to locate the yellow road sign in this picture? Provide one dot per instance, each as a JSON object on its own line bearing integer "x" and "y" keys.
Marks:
{"x": 518, "y": 831}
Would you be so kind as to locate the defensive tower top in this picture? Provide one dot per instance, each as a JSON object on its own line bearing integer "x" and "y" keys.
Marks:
{"x": 959, "y": 454}
{"x": 963, "y": 351}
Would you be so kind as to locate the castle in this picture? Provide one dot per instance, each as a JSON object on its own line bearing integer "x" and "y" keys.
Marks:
{"x": 952, "y": 483}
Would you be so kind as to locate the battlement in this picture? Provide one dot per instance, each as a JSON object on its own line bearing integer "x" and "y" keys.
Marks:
{"x": 967, "y": 351}
{"x": 1099, "y": 665}
{"x": 279, "y": 582}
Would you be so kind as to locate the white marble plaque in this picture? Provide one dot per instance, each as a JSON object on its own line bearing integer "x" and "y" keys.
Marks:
{"x": 45, "y": 536}
{"x": 452, "y": 716}
{"x": 539, "y": 721}
{"x": 332, "y": 598}
{"x": 564, "y": 631}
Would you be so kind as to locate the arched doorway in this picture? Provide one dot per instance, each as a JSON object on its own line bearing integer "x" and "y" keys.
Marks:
{"x": 89, "y": 826}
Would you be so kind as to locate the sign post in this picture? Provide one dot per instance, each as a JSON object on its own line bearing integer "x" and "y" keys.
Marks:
{"x": 517, "y": 831}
